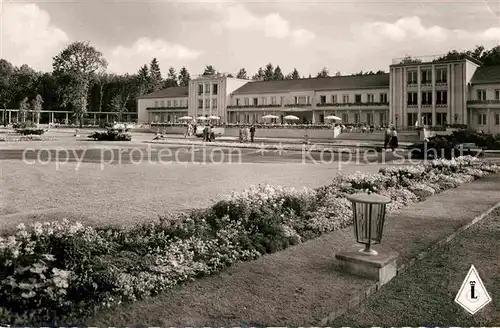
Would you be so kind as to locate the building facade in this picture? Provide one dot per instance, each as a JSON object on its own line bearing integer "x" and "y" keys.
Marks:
{"x": 414, "y": 92}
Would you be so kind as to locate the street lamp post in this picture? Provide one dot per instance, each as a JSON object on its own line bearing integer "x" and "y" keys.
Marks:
{"x": 368, "y": 218}
{"x": 369, "y": 212}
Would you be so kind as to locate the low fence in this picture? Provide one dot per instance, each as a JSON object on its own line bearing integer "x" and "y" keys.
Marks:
{"x": 262, "y": 133}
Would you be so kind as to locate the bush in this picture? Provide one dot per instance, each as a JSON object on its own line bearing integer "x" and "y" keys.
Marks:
{"x": 59, "y": 273}
{"x": 111, "y": 135}
{"x": 445, "y": 146}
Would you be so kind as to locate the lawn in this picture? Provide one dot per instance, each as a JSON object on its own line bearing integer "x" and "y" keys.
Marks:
{"x": 424, "y": 295}
{"x": 128, "y": 194}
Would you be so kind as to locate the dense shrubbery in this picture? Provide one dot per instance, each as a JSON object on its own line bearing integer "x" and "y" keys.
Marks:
{"x": 111, "y": 135}
{"x": 28, "y": 128}
{"x": 30, "y": 131}
{"x": 446, "y": 146}
{"x": 55, "y": 273}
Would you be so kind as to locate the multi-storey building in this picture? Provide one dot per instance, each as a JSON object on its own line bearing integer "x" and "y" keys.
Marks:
{"x": 484, "y": 99}
{"x": 430, "y": 92}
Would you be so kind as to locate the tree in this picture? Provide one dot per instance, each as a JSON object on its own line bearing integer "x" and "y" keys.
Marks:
{"x": 323, "y": 73}
{"x": 491, "y": 57}
{"x": 242, "y": 74}
{"x": 295, "y": 74}
{"x": 47, "y": 89}
{"x": 230, "y": 75}
{"x": 338, "y": 73}
{"x": 171, "y": 80}
{"x": 36, "y": 108}
{"x": 143, "y": 81}
{"x": 74, "y": 67}
{"x": 184, "y": 77}
{"x": 23, "y": 109}
{"x": 155, "y": 75}
{"x": 410, "y": 60}
{"x": 278, "y": 74}
{"x": 7, "y": 86}
{"x": 269, "y": 72}
{"x": 26, "y": 80}
{"x": 209, "y": 70}
{"x": 259, "y": 76}
{"x": 124, "y": 89}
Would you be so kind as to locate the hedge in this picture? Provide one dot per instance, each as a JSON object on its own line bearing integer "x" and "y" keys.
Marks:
{"x": 59, "y": 273}
{"x": 111, "y": 135}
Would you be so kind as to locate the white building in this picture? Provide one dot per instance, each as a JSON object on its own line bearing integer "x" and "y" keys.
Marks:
{"x": 428, "y": 91}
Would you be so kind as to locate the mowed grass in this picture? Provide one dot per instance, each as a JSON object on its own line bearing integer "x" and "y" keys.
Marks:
{"x": 424, "y": 296}
{"x": 128, "y": 194}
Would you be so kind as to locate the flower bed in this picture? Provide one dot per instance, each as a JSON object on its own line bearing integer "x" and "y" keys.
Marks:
{"x": 55, "y": 273}
{"x": 30, "y": 131}
{"x": 291, "y": 147}
{"x": 27, "y": 138}
{"x": 111, "y": 135}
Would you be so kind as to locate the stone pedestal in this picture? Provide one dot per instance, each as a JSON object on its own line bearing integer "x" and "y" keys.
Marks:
{"x": 381, "y": 267}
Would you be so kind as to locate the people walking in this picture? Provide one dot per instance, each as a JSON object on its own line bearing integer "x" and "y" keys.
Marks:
{"x": 241, "y": 134}
{"x": 394, "y": 139}
{"x": 252, "y": 132}
{"x": 387, "y": 137}
{"x": 205, "y": 133}
{"x": 209, "y": 133}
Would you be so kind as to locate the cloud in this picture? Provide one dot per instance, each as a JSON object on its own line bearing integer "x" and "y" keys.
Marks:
{"x": 272, "y": 25}
{"x": 125, "y": 59}
{"x": 29, "y": 37}
{"x": 412, "y": 28}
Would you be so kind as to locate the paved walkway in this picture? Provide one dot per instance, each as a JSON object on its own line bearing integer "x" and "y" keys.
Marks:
{"x": 300, "y": 286}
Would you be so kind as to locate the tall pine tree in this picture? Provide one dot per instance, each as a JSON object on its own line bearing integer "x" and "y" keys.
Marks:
{"x": 155, "y": 75}
{"x": 269, "y": 72}
{"x": 143, "y": 81}
{"x": 184, "y": 77}
{"x": 171, "y": 80}
{"x": 295, "y": 74}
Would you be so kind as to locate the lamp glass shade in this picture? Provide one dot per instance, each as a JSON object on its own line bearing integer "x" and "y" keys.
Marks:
{"x": 368, "y": 217}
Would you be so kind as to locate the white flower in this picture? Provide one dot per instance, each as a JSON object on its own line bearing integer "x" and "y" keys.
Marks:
{"x": 28, "y": 295}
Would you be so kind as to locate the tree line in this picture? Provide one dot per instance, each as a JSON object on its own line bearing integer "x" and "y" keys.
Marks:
{"x": 487, "y": 57}
{"x": 80, "y": 83}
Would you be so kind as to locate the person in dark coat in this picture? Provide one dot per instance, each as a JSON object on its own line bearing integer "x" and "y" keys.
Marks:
{"x": 394, "y": 139}
{"x": 252, "y": 133}
{"x": 387, "y": 137}
{"x": 205, "y": 133}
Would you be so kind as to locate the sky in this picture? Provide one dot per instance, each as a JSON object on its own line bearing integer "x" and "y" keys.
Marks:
{"x": 345, "y": 36}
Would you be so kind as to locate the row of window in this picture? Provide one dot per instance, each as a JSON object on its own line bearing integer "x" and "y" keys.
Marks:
{"x": 204, "y": 88}
{"x": 426, "y": 76}
{"x": 370, "y": 98}
{"x": 171, "y": 103}
{"x": 481, "y": 94}
{"x": 441, "y": 119}
{"x": 302, "y": 100}
{"x": 382, "y": 118}
{"x": 207, "y": 103}
{"x": 441, "y": 98}
{"x": 306, "y": 100}
{"x": 250, "y": 118}
{"x": 482, "y": 119}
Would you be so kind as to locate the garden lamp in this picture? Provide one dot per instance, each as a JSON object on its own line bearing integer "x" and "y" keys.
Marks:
{"x": 368, "y": 219}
